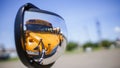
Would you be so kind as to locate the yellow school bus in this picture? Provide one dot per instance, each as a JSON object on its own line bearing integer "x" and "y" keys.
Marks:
{"x": 40, "y": 35}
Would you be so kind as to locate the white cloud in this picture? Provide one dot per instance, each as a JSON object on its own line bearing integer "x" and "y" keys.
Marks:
{"x": 117, "y": 29}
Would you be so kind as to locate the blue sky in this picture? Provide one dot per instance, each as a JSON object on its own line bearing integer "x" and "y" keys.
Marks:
{"x": 80, "y": 17}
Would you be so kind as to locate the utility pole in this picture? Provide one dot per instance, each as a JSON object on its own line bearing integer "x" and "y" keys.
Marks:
{"x": 98, "y": 26}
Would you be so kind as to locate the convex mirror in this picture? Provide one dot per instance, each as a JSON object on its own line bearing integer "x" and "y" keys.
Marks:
{"x": 40, "y": 36}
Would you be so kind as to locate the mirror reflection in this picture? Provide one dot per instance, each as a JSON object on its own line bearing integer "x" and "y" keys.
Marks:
{"x": 45, "y": 37}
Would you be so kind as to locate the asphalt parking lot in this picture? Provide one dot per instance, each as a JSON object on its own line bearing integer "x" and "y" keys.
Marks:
{"x": 98, "y": 59}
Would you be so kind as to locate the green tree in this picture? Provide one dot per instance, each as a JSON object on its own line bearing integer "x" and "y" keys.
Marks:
{"x": 71, "y": 46}
{"x": 90, "y": 44}
{"x": 106, "y": 43}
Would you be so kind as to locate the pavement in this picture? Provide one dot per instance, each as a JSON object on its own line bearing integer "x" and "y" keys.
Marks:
{"x": 97, "y": 59}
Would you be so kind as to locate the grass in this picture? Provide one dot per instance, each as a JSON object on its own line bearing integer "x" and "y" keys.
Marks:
{"x": 97, "y": 48}
{"x": 11, "y": 59}
{"x": 80, "y": 50}
{"x": 75, "y": 51}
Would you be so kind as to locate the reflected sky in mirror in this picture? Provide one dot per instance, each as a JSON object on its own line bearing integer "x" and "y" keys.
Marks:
{"x": 54, "y": 20}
